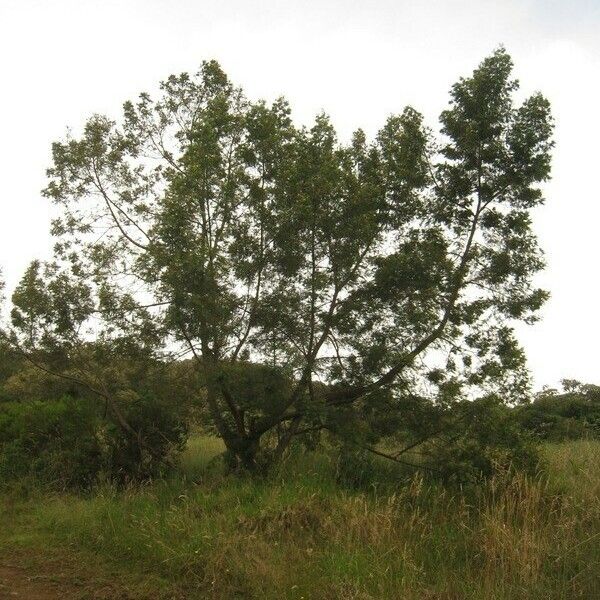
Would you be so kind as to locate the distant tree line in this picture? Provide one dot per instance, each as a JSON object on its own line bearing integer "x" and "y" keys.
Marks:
{"x": 559, "y": 415}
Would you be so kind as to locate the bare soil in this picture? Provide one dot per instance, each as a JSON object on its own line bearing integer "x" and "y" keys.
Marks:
{"x": 32, "y": 577}
{"x": 17, "y": 582}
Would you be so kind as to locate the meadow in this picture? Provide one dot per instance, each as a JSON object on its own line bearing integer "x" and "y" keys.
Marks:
{"x": 311, "y": 532}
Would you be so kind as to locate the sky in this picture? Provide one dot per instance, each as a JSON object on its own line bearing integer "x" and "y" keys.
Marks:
{"x": 359, "y": 61}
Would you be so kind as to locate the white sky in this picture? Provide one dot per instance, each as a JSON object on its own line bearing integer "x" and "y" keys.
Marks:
{"x": 63, "y": 60}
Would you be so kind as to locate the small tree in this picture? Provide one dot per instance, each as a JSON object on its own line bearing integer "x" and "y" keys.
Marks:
{"x": 373, "y": 284}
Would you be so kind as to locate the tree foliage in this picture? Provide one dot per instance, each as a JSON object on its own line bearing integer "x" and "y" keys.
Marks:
{"x": 569, "y": 414}
{"x": 316, "y": 283}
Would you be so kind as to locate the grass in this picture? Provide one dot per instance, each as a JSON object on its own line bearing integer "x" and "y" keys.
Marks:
{"x": 299, "y": 534}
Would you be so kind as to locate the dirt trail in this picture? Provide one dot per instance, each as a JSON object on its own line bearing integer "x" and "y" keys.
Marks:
{"x": 19, "y": 583}
{"x": 34, "y": 575}
{"x": 26, "y": 575}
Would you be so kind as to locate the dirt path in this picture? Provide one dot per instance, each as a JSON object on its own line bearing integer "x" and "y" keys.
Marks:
{"x": 17, "y": 582}
{"x": 27, "y": 575}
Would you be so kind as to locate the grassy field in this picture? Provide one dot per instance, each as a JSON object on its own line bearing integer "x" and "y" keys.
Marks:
{"x": 300, "y": 534}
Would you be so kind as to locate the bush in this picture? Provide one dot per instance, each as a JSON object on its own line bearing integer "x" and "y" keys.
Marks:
{"x": 486, "y": 437}
{"x": 55, "y": 442}
{"x": 67, "y": 442}
{"x": 573, "y": 414}
{"x": 162, "y": 433}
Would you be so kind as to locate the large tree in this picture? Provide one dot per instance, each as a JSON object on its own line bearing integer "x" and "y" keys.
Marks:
{"x": 372, "y": 283}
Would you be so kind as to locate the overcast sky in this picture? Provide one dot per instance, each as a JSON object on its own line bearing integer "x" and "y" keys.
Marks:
{"x": 62, "y": 60}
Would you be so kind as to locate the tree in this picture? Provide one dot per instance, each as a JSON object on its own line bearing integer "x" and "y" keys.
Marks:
{"x": 361, "y": 287}
{"x": 557, "y": 415}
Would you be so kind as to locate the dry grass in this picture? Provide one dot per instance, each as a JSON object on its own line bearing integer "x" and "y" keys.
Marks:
{"x": 300, "y": 535}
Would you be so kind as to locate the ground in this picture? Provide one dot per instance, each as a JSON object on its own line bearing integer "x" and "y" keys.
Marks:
{"x": 31, "y": 576}
{"x": 20, "y": 579}
{"x": 306, "y": 534}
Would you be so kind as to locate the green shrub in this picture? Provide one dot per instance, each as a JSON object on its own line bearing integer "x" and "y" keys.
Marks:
{"x": 54, "y": 441}
{"x": 67, "y": 442}
{"x": 486, "y": 437}
{"x": 161, "y": 434}
{"x": 570, "y": 415}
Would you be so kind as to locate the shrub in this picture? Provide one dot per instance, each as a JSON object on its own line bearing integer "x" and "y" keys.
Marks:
{"x": 162, "y": 432}
{"x": 66, "y": 442}
{"x": 54, "y": 441}
{"x": 572, "y": 414}
{"x": 486, "y": 438}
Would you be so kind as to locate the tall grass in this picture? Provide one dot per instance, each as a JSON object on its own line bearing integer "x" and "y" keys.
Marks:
{"x": 300, "y": 534}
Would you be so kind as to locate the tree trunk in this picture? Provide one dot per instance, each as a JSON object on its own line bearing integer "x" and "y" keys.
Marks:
{"x": 243, "y": 453}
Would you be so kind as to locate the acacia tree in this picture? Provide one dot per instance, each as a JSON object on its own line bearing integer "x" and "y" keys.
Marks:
{"x": 371, "y": 284}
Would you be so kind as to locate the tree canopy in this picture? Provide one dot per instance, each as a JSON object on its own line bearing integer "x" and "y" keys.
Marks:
{"x": 364, "y": 287}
